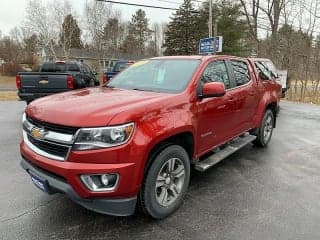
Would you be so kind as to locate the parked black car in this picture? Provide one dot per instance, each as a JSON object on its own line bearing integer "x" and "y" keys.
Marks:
{"x": 55, "y": 77}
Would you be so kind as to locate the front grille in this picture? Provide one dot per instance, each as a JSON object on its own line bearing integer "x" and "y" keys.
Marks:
{"x": 51, "y": 148}
{"x": 53, "y": 127}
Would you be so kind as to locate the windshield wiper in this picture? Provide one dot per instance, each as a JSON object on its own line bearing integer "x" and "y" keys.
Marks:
{"x": 145, "y": 90}
{"x": 108, "y": 86}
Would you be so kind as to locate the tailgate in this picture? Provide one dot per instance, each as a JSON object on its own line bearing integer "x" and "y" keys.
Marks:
{"x": 43, "y": 82}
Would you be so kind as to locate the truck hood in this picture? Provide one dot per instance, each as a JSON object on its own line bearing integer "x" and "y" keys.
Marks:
{"x": 89, "y": 107}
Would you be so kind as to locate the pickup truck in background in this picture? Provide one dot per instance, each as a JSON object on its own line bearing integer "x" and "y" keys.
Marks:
{"x": 113, "y": 71}
{"x": 285, "y": 82}
{"x": 54, "y": 77}
{"x": 135, "y": 139}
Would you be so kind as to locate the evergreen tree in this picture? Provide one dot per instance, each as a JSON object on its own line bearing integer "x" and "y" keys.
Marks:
{"x": 138, "y": 31}
{"x": 70, "y": 33}
{"x": 230, "y": 24}
{"x": 182, "y": 36}
{"x": 112, "y": 33}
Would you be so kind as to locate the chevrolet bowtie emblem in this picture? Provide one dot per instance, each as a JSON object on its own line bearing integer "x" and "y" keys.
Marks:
{"x": 43, "y": 81}
{"x": 38, "y": 133}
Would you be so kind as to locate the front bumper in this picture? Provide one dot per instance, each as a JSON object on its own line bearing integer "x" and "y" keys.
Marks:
{"x": 111, "y": 206}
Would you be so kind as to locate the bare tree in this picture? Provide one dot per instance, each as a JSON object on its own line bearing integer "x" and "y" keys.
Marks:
{"x": 252, "y": 13}
{"x": 39, "y": 21}
{"x": 60, "y": 9}
{"x": 96, "y": 16}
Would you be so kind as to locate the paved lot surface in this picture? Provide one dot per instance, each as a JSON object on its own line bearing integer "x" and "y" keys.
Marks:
{"x": 271, "y": 193}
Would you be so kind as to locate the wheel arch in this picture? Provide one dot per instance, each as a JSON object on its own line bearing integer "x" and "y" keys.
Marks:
{"x": 184, "y": 139}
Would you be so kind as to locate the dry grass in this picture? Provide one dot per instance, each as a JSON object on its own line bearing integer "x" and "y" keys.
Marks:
{"x": 8, "y": 96}
{"x": 6, "y": 81}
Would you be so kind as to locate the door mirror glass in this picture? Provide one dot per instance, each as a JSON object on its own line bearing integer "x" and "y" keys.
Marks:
{"x": 213, "y": 89}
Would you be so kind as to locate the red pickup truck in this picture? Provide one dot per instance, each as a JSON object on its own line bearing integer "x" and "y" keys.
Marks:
{"x": 133, "y": 141}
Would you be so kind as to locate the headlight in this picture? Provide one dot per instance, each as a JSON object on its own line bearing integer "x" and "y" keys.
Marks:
{"x": 103, "y": 137}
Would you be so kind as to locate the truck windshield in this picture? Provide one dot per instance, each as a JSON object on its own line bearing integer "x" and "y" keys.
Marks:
{"x": 60, "y": 67}
{"x": 168, "y": 75}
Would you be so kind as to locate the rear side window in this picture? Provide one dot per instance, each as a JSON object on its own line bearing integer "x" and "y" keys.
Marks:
{"x": 86, "y": 68}
{"x": 261, "y": 67}
{"x": 241, "y": 72}
{"x": 216, "y": 72}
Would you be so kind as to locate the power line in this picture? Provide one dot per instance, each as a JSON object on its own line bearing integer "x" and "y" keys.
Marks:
{"x": 142, "y": 5}
{"x": 168, "y": 2}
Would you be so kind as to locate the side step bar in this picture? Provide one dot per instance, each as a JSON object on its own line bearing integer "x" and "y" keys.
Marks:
{"x": 216, "y": 157}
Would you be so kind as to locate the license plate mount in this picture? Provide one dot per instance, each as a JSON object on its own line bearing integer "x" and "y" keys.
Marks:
{"x": 39, "y": 182}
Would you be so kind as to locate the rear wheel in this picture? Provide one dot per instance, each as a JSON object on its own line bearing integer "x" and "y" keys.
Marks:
{"x": 264, "y": 132}
{"x": 166, "y": 182}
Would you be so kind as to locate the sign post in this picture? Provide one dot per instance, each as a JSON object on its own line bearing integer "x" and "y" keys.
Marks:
{"x": 210, "y": 45}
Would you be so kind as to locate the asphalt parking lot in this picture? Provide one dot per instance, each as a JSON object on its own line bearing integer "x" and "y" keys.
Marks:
{"x": 270, "y": 193}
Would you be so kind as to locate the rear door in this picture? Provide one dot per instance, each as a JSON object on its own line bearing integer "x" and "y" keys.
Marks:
{"x": 272, "y": 81}
{"x": 245, "y": 94}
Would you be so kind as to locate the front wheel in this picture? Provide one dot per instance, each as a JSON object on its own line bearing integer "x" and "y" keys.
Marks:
{"x": 264, "y": 132}
{"x": 166, "y": 182}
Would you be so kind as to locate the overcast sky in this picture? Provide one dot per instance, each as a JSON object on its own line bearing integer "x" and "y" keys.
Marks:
{"x": 12, "y": 12}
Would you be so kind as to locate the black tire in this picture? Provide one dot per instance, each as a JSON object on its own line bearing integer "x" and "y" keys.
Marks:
{"x": 266, "y": 127}
{"x": 149, "y": 199}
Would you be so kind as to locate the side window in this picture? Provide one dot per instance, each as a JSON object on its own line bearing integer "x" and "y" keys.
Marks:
{"x": 261, "y": 67}
{"x": 241, "y": 72}
{"x": 87, "y": 69}
{"x": 272, "y": 68}
{"x": 216, "y": 72}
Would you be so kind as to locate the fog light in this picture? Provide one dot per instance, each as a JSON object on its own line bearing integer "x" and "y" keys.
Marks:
{"x": 105, "y": 179}
{"x": 100, "y": 182}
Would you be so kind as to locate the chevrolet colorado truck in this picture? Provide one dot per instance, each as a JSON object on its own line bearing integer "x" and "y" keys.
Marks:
{"x": 133, "y": 141}
{"x": 54, "y": 77}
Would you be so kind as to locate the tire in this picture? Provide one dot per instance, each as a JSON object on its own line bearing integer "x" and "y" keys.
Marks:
{"x": 166, "y": 182}
{"x": 264, "y": 132}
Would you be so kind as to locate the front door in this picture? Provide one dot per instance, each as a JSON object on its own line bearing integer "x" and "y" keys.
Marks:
{"x": 216, "y": 114}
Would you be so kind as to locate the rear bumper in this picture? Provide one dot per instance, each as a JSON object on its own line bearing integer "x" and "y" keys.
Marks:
{"x": 111, "y": 206}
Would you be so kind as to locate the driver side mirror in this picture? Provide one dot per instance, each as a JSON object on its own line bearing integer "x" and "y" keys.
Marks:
{"x": 213, "y": 89}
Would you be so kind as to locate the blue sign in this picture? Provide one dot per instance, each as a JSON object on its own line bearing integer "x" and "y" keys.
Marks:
{"x": 206, "y": 45}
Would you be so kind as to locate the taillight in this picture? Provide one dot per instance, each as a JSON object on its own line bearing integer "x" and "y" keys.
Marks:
{"x": 105, "y": 78}
{"x": 70, "y": 82}
{"x": 18, "y": 81}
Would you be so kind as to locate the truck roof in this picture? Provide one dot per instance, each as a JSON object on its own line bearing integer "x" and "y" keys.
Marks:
{"x": 196, "y": 57}
{"x": 259, "y": 59}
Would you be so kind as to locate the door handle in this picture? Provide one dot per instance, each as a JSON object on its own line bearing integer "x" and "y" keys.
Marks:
{"x": 230, "y": 99}
{"x": 252, "y": 93}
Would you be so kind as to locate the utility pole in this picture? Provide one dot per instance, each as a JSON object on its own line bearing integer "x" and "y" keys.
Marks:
{"x": 215, "y": 33}
{"x": 210, "y": 19}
